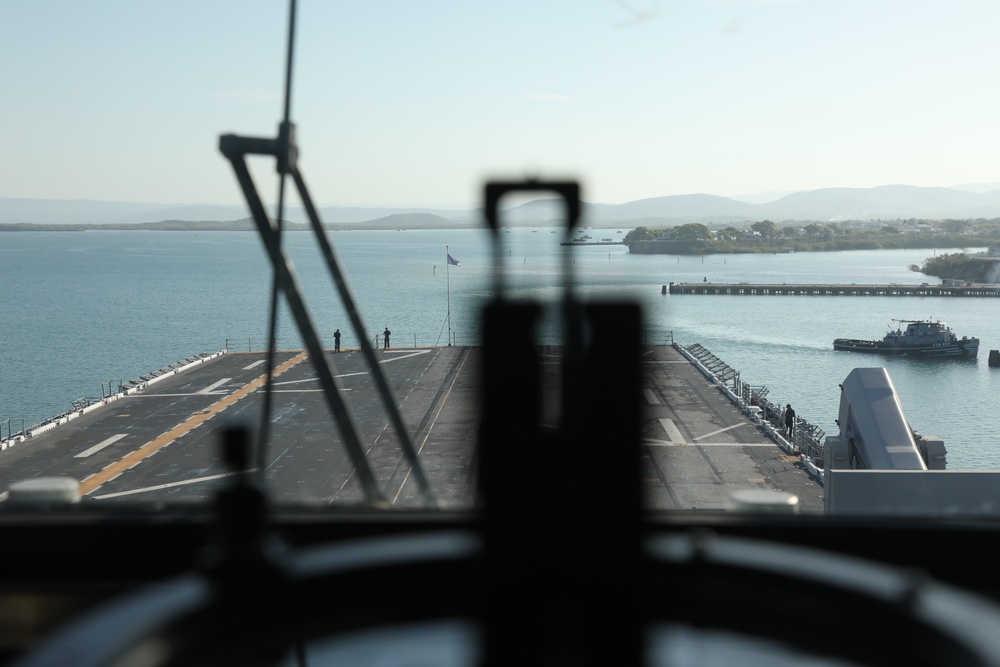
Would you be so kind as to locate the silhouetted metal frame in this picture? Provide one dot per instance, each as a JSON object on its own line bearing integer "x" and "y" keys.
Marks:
{"x": 494, "y": 192}
{"x": 381, "y": 383}
{"x": 569, "y": 191}
{"x": 560, "y": 547}
{"x": 235, "y": 148}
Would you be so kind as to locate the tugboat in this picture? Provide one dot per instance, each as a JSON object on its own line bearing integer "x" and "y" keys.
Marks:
{"x": 922, "y": 338}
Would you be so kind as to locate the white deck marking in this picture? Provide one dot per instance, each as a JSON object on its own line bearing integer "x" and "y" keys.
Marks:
{"x": 313, "y": 378}
{"x": 196, "y": 393}
{"x": 664, "y": 443}
{"x": 212, "y": 387}
{"x": 253, "y": 365}
{"x": 99, "y": 446}
{"x": 196, "y": 419}
{"x": 304, "y": 391}
{"x": 287, "y": 382}
{"x": 721, "y": 430}
{"x": 165, "y": 486}
{"x": 347, "y": 375}
{"x": 651, "y": 398}
{"x": 405, "y": 356}
{"x": 673, "y": 432}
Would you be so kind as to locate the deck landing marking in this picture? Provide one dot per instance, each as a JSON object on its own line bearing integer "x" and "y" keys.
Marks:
{"x": 405, "y": 356}
{"x": 667, "y": 443}
{"x": 193, "y": 393}
{"x": 314, "y": 379}
{"x": 721, "y": 430}
{"x": 673, "y": 432}
{"x": 112, "y": 470}
{"x": 101, "y": 445}
{"x": 212, "y": 387}
{"x": 165, "y": 486}
{"x": 253, "y": 365}
{"x": 651, "y": 398}
{"x": 304, "y": 391}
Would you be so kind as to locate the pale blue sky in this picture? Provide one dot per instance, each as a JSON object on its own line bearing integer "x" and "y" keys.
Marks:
{"x": 409, "y": 103}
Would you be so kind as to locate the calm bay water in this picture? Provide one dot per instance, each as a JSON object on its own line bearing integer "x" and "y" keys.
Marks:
{"x": 85, "y": 308}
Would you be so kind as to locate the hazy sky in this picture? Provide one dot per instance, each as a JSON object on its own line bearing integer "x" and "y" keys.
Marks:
{"x": 409, "y": 103}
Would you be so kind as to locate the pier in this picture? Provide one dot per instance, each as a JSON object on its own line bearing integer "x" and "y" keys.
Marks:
{"x": 797, "y": 289}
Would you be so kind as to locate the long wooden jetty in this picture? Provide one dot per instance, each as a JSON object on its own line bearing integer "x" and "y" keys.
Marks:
{"x": 793, "y": 289}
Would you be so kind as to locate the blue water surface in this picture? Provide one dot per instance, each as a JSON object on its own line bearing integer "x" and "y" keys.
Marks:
{"x": 85, "y": 309}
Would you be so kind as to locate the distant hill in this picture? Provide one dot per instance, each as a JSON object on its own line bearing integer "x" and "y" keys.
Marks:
{"x": 78, "y": 211}
{"x": 695, "y": 207}
{"x": 976, "y": 187}
{"x": 404, "y": 221}
{"x": 887, "y": 202}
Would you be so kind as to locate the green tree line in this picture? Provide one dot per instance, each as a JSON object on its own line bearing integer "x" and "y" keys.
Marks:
{"x": 820, "y": 237}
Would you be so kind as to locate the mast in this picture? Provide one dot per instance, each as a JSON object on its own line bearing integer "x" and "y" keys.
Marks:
{"x": 447, "y": 272}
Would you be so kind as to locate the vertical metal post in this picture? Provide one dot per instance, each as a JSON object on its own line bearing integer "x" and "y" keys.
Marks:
{"x": 556, "y": 527}
{"x": 447, "y": 271}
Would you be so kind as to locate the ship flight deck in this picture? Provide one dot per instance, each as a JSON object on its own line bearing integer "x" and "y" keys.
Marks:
{"x": 160, "y": 445}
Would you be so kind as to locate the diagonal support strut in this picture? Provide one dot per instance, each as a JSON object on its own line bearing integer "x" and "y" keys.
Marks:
{"x": 235, "y": 148}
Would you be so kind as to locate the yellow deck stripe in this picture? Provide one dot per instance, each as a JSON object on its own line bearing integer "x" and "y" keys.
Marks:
{"x": 112, "y": 470}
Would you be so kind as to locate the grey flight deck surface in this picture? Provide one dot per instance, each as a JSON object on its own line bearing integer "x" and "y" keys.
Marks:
{"x": 161, "y": 445}
{"x": 700, "y": 448}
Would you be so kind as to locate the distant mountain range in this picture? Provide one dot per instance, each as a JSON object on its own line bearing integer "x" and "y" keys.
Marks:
{"x": 887, "y": 202}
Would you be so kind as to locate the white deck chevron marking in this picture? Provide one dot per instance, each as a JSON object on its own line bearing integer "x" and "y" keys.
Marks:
{"x": 673, "y": 432}
{"x": 99, "y": 446}
{"x": 212, "y": 387}
{"x": 664, "y": 443}
{"x": 721, "y": 430}
{"x": 165, "y": 486}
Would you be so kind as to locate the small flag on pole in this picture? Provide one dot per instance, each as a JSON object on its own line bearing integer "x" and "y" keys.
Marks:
{"x": 452, "y": 261}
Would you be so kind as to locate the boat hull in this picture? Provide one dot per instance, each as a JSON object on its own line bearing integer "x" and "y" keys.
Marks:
{"x": 967, "y": 349}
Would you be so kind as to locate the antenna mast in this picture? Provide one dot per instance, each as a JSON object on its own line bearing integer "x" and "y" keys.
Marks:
{"x": 284, "y": 149}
